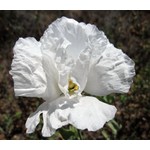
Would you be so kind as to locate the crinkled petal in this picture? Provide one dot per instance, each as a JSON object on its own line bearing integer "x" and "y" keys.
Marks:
{"x": 67, "y": 41}
{"x": 47, "y": 130}
{"x": 59, "y": 111}
{"x": 56, "y": 61}
{"x": 63, "y": 64}
{"x": 34, "y": 119}
{"x": 91, "y": 114}
{"x": 74, "y": 36}
{"x": 83, "y": 113}
{"x": 112, "y": 72}
{"x": 81, "y": 69}
{"x": 97, "y": 40}
{"x": 26, "y": 69}
{"x": 55, "y": 115}
{"x": 52, "y": 89}
{"x": 67, "y": 30}
{"x": 77, "y": 72}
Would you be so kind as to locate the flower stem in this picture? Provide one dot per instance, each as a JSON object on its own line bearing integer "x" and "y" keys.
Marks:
{"x": 79, "y": 134}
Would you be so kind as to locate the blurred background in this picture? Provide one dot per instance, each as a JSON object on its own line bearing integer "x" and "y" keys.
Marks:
{"x": 127, "y": 30}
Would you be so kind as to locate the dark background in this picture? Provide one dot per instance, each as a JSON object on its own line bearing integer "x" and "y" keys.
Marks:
{"x": 127, "y": 30}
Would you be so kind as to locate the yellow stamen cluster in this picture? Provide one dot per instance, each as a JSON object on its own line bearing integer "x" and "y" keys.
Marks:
{"x": 72, "y": 87}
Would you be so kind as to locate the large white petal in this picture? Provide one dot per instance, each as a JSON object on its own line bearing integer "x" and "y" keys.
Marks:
{"x": 91, "y": 114}
{"x": 63, "y": 65}
{"x": 59, "y": 111}
{"x": 77, "y": 72}
{"x": 26, "y": 69}
{"x": 67, "y": 42}
{"x": 52, "y": 89}
{"x": 55, "y": 115}
{"x": 112, "y": 72}
{"x": 83, "y": 113}
{"x": 34, "y": 119}
{"x": 74, "y": 36}
{"x": 81, "y": 69}
{"x": 56, "y": 62}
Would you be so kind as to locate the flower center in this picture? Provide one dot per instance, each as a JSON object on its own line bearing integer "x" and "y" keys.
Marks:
{"x": 72, "y": 87}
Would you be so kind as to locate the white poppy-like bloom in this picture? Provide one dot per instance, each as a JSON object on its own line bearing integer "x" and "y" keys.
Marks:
{"x": 69, "y": 59}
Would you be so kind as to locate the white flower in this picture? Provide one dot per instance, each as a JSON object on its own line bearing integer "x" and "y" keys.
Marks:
{"x": 70, "y": 58}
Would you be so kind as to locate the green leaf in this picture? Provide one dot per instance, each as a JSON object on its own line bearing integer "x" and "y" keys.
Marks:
{"x": 67, "y": 134}
{"x": 105, "y": 134}
{"x": 111, "y": 126}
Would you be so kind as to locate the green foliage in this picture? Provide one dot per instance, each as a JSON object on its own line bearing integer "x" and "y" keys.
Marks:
{"x": 108, "y": 99}
{"x": 8, "y": 123}
{"x": 105, "y": 134}
{"x": 111, "y": 130}
{"x": 17, "y": 115}
{"x": 67, "y": 133}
